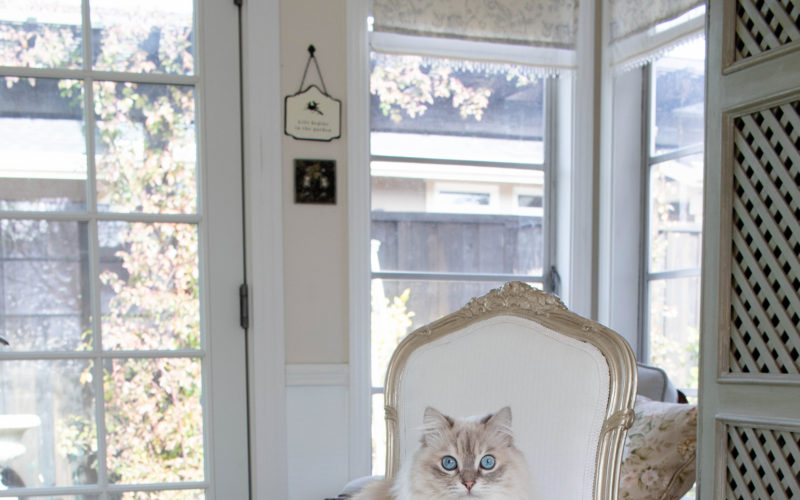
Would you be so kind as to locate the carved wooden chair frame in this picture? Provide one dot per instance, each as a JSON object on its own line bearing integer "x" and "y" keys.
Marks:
{"x": 521, "y": 300}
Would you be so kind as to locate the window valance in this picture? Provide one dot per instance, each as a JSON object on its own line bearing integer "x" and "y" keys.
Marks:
{"x": 629, "y": 17}
{"x": 641, "y": 30}
{"x": 540, "y": 33}
{"x": 544, "y": 23}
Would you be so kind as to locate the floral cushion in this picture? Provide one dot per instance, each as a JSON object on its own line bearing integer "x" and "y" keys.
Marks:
{"x": 659, "y": 457}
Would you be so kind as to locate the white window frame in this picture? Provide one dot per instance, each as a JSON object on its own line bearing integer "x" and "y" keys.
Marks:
{"x": 649, "y": 159}
{"x": 360, "y": 210}
{"x": 575, "y": 161}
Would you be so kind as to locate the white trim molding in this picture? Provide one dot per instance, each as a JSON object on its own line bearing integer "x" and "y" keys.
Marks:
{"x": 267, "y": 406}
{"x": 312, "y": 374}
{"x": 358, "y": 216}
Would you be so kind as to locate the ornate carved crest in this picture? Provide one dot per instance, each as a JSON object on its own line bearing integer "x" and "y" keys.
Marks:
{"x": 514, "y": 294}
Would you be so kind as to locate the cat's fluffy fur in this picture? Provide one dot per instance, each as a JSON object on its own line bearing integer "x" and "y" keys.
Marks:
{"x": 467, "y": 441}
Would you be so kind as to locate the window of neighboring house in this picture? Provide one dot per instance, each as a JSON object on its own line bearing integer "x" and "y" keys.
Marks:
{"x": 459, "y": 170}
{"x": 674, "y": 212}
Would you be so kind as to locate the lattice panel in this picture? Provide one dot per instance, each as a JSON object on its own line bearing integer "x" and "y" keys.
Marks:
{"x": 762, "y": 463}
{"x": 765, "y": 267}
{"x": 765, "y": 25}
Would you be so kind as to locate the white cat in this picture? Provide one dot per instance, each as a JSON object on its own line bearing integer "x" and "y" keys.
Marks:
{"x": 460, "y": 459}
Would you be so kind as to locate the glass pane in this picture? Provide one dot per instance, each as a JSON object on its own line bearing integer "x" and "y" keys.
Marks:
{"x": 439, "y": 108}
{"x": 164, "y": 495}
{"x": 42, "y": 143}
{"x": 676, "y": 213}
{"x": 143, "y": 36}
{"x": 150, "y": 291}
{"x": 47, "y": 428}
{"x": 471, "y": 238}
{"x": 41, "y": 33}
{"x": 146, "y": 148}
{"x": 401, "y": 306}
{"x": 66, "y": 497}
{"x": 674, "y": 328}
{"x": 679, "y": 97}
{"x": 154, "y": 420}
{"x": 378, "y": 436}
{"x": 44, "y": 285}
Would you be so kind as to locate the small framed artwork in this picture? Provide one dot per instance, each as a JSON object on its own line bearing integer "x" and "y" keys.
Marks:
{"x": 315, "y": 181}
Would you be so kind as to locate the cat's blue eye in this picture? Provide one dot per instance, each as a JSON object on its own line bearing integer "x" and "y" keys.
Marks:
{"x": 449, "y": 463}
{"x": 487, "y": 462}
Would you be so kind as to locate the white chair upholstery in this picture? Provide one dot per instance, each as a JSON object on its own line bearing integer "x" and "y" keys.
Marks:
{"x": 570, "y": 382}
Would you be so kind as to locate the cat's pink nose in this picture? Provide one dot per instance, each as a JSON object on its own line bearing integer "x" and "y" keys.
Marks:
{"x": 469, "y": 485}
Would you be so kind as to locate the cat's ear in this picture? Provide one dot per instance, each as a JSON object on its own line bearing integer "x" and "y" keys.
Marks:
{"x": 500, "y": 422}
{"x": 435, "y": 424}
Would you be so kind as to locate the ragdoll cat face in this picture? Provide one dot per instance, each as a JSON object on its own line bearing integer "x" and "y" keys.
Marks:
{"x": 471, "y": 458}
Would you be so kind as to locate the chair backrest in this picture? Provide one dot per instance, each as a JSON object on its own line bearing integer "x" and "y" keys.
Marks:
{"x": 570, "y": 383}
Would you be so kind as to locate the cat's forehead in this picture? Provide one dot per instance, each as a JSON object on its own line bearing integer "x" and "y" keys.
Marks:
{"x": 467, "y": 436}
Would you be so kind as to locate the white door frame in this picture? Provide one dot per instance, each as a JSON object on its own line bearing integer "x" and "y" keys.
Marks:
{"x": 264, "y": 226}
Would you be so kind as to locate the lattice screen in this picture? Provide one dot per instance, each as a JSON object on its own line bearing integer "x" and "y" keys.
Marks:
{"x": 765, "y": 268}
{"x": 762, "y": 463}
{"x": 763, "y": 26}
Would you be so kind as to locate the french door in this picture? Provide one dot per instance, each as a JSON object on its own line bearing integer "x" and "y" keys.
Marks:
{"x": 120, "y": 251}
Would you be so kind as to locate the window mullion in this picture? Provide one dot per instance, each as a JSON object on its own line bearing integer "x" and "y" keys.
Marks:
{"x": 643, "y": 342}
{"x": 461, "y": 163}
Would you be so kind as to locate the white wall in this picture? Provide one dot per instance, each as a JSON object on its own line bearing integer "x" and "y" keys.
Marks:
{"x": 317, "y": 430}
{"x": 315, "y": 240}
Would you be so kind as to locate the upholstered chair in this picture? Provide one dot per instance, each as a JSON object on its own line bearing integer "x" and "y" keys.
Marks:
{"x": 570, "y": 382}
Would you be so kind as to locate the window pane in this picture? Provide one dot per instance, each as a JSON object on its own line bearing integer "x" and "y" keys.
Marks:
{"x": 47, "y": 426}
{"x": 143, "y": 36}
{"x": 676, "y": 213}
{"x": 44, "y": 285}
{"x": 454, "y": 242}
{"x": 439, "y": 108}
{"x": 404, "y": 305}
{"x": 679, "y": 97}
{"x": 674, "y": 328}
{"x": 164, "y": 495}
{"x": 150, "y": 293}
{"x": 146, "y": 148}
{"x": 65, "y": 497}
{"x": 40, "y": 33}
{"x": 43, "y": 147}
{"x": 401, "y": 306}
{"x": 154, "y": 420}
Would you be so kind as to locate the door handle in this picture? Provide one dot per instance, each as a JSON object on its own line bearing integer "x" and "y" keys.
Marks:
{"x": 3, "y": 340}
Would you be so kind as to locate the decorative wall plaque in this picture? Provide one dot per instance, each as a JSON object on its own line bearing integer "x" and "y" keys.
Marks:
{"x": 315, "y": 181}
{"x": 312, "y": 114}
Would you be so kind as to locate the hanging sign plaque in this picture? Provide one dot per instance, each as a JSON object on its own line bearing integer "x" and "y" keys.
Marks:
{"x": 312, "y": 114}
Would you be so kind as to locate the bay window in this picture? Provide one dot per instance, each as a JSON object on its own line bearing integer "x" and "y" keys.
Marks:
{"x": 459, "y": 164}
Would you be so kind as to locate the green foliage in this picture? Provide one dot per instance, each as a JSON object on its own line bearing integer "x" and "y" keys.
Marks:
{"x": 390, "y": 321}
{"x": 409, "y": 85}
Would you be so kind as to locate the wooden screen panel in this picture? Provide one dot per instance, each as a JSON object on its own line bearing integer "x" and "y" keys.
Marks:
{"x": 765, "y": 267}
{"x": 762, "y": 26}
{"x": 762, "y": 463}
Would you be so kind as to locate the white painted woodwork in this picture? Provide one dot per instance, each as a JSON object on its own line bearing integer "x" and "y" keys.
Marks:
{"x": 750, "y": 371}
